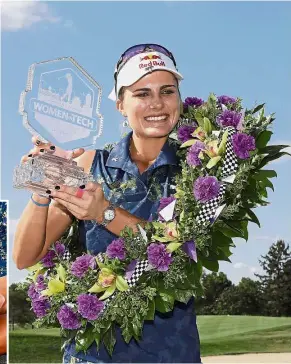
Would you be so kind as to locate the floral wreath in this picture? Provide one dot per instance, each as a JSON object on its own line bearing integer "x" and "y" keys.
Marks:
{"x": 222, "y": 149}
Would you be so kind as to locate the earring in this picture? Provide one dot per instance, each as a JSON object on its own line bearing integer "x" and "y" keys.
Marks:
{"x": 125, "y": 123}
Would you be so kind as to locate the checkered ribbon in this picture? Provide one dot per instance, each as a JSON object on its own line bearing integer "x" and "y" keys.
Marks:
{"x": 211, "y": 209}
{"x": 139, "y": 269}
{"x": 230, "y": 164}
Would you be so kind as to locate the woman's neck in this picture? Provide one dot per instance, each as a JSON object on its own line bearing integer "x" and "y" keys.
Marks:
{"x": 144, "y": 151}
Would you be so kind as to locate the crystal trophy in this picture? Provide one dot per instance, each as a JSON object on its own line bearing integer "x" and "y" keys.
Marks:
{"x": 60, "y": 105}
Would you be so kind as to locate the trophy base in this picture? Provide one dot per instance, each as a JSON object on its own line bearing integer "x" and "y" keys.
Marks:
{"x": 44, "y": 172}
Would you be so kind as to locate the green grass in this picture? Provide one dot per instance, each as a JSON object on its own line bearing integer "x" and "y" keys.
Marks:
{"x": 218, "y": 335}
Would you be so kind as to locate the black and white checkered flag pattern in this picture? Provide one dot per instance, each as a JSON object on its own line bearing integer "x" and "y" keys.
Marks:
{"x": 211, "y": 209}
{"x": 139, "y": 269}
{"x": 230, "y": 164}
{"x": 208, "y": 209}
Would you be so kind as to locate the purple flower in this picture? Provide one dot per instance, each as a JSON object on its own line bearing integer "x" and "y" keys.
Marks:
{"x": 243, "y": 144}
{"x": 193, "y": 153}
{"x": 82, "y": 264}
{"x": 229, "y": 118}
{"x": 130, "y": 269}
{"x": 32, "y": 292}
{"x": 47, "y": 260}
{"x": 116, "y": 249}
{"x": 40, "y": 284}
{"x": 40, "y": 306}
{"x": 185, "y": 131}
{"x": 206, "y": 188}
{"x": 68, "y": 318}
{"x": 89, "y": 306}
{"x": 159, "y": 257}
{"x": 165, "y": 201}
{"x": 192, "y": 101}
{"x": 59, "y": 248}
{"x": 189, "y": 248}
{"x": 223, "y": 99}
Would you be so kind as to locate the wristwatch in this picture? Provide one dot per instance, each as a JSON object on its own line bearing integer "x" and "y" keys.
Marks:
{"x": 108, "y": 215}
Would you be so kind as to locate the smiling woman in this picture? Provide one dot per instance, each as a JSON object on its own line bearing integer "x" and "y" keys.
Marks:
{"x": 145, "y": 163}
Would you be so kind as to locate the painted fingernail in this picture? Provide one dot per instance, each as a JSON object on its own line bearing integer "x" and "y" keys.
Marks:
{"x": 82, "y": 187}
{"x": 29, "y": 155}
{"x": 57, "y": 187}
{"x": 52, "y": 147}
{"x": 38, "y": 142}
{"x": 48, "y": 192}
{"x": 41, "y": 150}
{"x": 50, "y": 196}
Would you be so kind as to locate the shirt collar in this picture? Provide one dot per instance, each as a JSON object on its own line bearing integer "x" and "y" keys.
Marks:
{"x": 119, "y": 155}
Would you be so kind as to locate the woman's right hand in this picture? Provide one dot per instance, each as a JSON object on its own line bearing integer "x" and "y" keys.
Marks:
{"x": 40, "y": 148}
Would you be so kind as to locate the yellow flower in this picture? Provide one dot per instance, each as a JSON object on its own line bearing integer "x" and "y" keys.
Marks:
{"x": 171, "y": 230}
{"x": 199, "y": 133}
{"x": 212, "y": 149}
{"x": 106, "y": 278}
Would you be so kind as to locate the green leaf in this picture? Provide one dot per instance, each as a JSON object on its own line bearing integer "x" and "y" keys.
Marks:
{"x": 164, "y": 302}
{"x": 222, "y": 146}
{"x": 207, "y": 125}
{"x": 188, "y": 143}
{"x": 161, "y": 239}
{"x": 36, "y": 267}
{"x": 263, "y": 139}
{"x": 96, "y": 289}
{"x": 109, "y": 291}
{"x": 272, "y": 149}
{"x": 210, "y": 265}
{"x": 121, "y": 284}
{"x": 271, "y": 158}
{"x": 257, "y": 108}
{"x": 267, "y": 183}
{"x": 234, "y": 229}
{"x": 200, "y": 118}
{"x": 98, "y": 339}
{"x": 173, "y": 246}
{"x": 158, "y": 225}
{"x": 62, "y": 273}
{"x": 55, "y": 286}
{"x": 183, "y": 295}
{"x": 219, "y": 239}
{"x": 151, "y": 311}
{"x": 100, "y": 264}
{"x": 84, "y": 338}
{"x": 109, "y": 339}
{"x": 213, "y": 161}
{"x": 264, "y": 173}
{"x": 252, "y": 217}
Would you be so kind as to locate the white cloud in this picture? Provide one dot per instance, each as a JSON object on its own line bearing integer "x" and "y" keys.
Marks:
{"x": 245, "y": 270}
{"x": 239, "y": 265}
{"x": 16, "y": 15}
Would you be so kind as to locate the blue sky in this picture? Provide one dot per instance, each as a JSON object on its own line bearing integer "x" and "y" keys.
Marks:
{"x": 233, "y": 48}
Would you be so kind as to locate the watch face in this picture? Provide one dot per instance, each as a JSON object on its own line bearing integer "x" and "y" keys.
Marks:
{"x": 109, "y": 215}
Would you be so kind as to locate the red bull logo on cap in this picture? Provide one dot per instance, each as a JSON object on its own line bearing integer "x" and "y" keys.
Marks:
{"x": 149, "y": 57}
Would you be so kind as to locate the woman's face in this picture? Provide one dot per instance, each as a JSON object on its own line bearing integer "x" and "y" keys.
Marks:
{"x": 152, "y": 104}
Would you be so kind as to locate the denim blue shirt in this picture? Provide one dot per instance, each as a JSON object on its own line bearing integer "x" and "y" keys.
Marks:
{"x": 171, "y": 337}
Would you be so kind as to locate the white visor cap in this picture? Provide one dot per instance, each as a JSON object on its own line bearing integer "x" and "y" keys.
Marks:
{"x": 140, "y": 65}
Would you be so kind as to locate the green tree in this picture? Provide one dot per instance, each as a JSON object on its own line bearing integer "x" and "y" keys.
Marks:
{"x": 243, "y": 299}
{"x": 214, "y": 284}
{"x": 19, "y": 308}
{"x": 275, "y": 283}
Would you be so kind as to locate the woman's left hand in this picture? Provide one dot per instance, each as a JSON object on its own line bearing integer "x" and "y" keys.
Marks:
{"x": 85, "y": 204}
